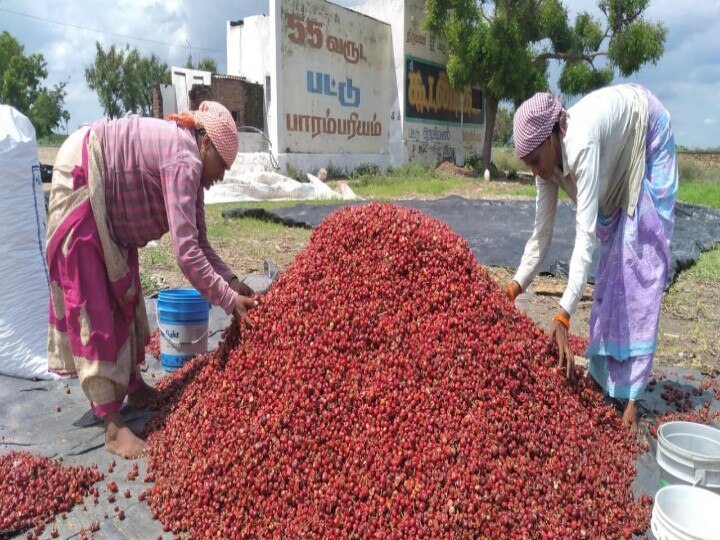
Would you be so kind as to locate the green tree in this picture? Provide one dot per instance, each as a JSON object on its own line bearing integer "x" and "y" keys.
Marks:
{"x": 21, "y": 86}
{"x": 206, "y": 64}
{"x": 105, "y": 78}
{"x": 47, "y": 112}
{"x": 502, "y": 134}
{"x": 506, "y": 46}
{"x": 140, "y": 75}
{"x": 123, "y": 79}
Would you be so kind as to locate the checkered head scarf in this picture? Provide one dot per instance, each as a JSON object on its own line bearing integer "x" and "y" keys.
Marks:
{"x": 217, "y": 122}
{"x": 534, "y": 121}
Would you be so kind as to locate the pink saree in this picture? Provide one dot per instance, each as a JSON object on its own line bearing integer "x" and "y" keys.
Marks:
{"x": 97, "y": 321}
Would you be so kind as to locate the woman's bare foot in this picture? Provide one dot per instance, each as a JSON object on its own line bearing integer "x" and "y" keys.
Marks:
{"x": 141, "y": 397}
{"x": 120, "y": 440}
{"x": 630, "y": 416}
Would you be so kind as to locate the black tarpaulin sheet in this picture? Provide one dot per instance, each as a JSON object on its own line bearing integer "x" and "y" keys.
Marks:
{"x": 498, "y": 230}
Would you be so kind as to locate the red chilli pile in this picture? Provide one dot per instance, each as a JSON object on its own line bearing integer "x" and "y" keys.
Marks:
{"x": 33, "y": 489}
{"x": 389, "y": 390}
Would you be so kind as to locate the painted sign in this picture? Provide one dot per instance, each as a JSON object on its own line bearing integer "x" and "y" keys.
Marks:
{"x": 336, "y": 72}
{"x": 440, "y": 121}
{"x": 430, "y": 98}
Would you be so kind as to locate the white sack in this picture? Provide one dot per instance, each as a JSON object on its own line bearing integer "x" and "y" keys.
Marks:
{"x": 251, "y": 179}
{"x": 23, "y": 271}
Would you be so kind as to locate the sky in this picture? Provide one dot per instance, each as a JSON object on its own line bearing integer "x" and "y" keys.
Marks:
{"x": 686, "y": 79}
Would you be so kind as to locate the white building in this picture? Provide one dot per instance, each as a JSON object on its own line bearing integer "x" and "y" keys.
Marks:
{"x": 351, "y": 87}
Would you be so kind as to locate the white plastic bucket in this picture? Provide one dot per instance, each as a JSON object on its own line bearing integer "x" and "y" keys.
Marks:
{"x": 686, "y": 513}
{"x": 183, "y": 317}
{"x": 689, "y": 453}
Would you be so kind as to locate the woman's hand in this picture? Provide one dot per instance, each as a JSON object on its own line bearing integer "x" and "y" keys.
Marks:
{"x": 241, "y": 288}
{"x": 512, "y": 290}
{"x": 560, "y": 332}
{"x": 243, "y": 305}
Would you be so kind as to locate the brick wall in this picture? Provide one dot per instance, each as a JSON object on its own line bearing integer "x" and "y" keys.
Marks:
{"x": 707, "y": 159}
{"x": 157, "y": 102}
{"x": 243, "y": 99}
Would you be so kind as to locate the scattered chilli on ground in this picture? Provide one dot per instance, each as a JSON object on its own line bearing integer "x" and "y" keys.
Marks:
{"x": 33, "y": 489}
{"x": 153, "y": 347}
{"x": 388, "y": 390}
{"x": 706, "y": 388}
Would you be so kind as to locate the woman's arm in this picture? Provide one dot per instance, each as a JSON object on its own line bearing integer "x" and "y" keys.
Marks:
{"x": 586, "y": 167}
{"x": 538, "y": 245}
{"x": 213, "y": 258}
{"x": 181, "y": 184}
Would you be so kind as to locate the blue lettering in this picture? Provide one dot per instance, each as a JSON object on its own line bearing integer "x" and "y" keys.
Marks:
{"x": 349, "y": 94}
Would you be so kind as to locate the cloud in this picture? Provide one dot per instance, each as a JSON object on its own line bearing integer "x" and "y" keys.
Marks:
{"x": 686, "y": 79}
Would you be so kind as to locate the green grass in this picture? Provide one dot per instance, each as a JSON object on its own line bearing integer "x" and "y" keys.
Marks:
{"x": 159, "y": 257}
{"x": 150, "y": 285}
{"x": 707, "y": 267}
{"x": 255, "y": 239}
{"x": 701, "y": 193}
{"x": 698, "y": 184}
{"x": 383, "y": 190}
{"x": 258, "y": 229}
{"x": 410, "y": 180}
{"x": 505, "y": 160}
{"x": 691, "y": 170}
{"x": 56, "y": 139}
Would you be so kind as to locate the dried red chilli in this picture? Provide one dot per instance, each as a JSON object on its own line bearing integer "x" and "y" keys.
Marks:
{"x": 153, "y": 347}
{"x": 388, "y": 389}
{"x": 34, "y": 489}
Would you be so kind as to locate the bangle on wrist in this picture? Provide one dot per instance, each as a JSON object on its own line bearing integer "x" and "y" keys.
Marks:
{"x": 511, "y": 292}
{"x": 562, "y": 319}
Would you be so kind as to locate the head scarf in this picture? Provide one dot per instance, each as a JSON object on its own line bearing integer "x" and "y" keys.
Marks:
{"x": 217, "y": 122}
{"x": 534, "y": 121}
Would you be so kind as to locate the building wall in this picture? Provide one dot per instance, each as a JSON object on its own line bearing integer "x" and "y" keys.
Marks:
{"x": 164, "y": 100}
{"x": 338, "y": 64}
{"x": 437, "y": 121}
{"x": 242, "y": 98}
{"x": 289, "y": 53}
{"x": 248, "y": 48}
{"x": 183, "y": 80}
{"x": 392, "y": 12}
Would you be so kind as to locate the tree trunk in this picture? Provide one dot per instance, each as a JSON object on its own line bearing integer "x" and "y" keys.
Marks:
{"x": 491, "y": 106}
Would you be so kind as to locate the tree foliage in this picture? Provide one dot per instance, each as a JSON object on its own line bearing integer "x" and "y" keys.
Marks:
{"x": 506, "y": 46}
{"x": 21, "y": 86}
{"x": 502, "y": 134}
{"x": 123, "y": 79}
{"x": 206, "y": 64}
{"x": 140, "y": 76}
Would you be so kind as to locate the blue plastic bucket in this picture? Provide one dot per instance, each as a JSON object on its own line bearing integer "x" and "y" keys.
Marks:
{"x": 183, "y": 316}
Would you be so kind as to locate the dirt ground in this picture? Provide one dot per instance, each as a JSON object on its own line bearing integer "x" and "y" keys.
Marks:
{"x": 689, "y": 319}
{"x": 46, "y": 154}
{"x": 689, "y": 325}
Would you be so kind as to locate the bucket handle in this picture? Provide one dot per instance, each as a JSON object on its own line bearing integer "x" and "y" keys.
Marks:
{"x": 176, "y": 344}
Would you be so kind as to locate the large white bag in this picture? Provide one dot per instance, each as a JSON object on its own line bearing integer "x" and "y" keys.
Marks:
{"x": 24, "y": 288}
